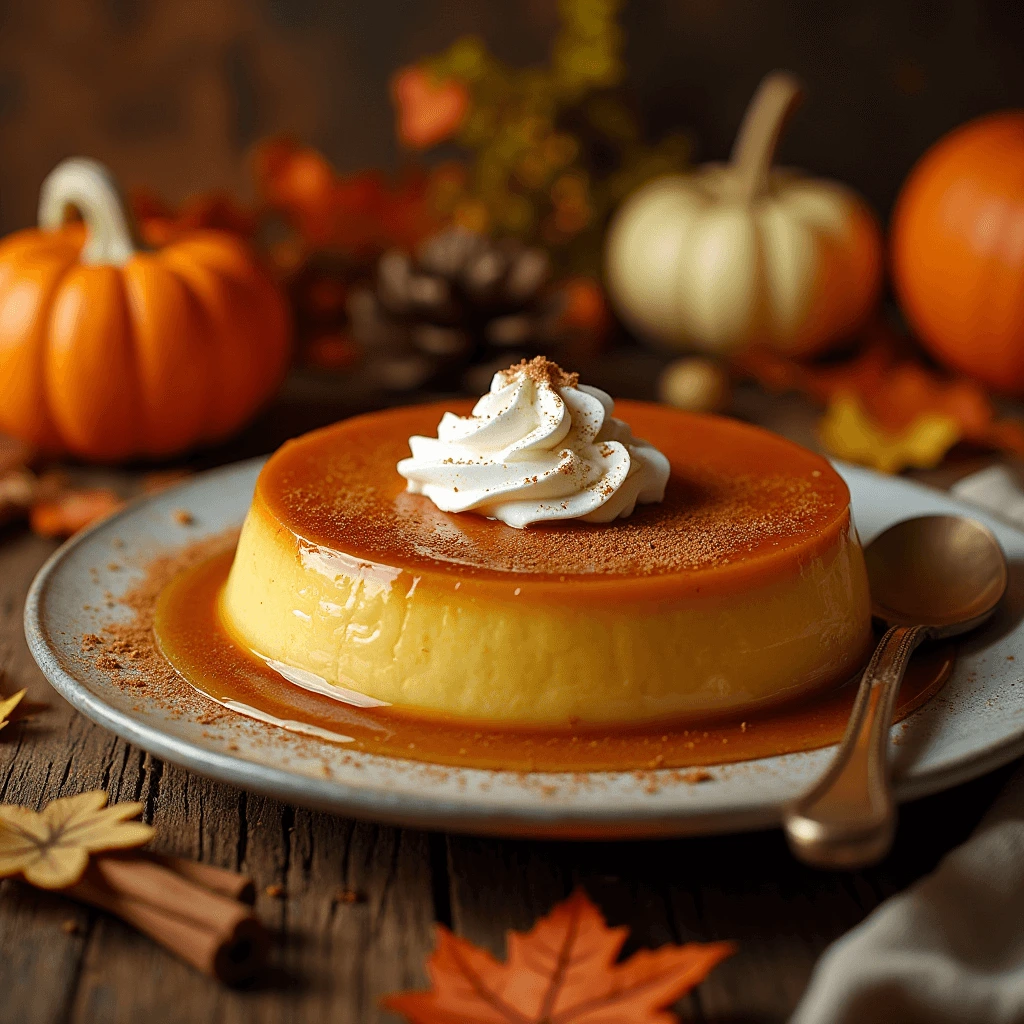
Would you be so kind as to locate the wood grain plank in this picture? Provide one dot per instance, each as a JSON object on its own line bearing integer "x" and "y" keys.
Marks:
{"x": 499, "y": 885}
{"x": 39, "y": 956}
{"x": 748, "y": 889}
{"x": 359, "y": 903}
{"x": 633, "y": 884}
{"x": 39, "y": 959}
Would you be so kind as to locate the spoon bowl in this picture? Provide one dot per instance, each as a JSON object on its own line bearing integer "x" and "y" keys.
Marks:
{"x": 930, "y": 577}
{"x": 944, "y": 572}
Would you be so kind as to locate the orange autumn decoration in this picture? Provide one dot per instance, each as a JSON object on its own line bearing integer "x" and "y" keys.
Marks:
{"x": 110, "y": 350}
{"x": 159, "y": 223}
{"x": 958, "y": 250}
{"x": 429, "y": 110}
{"x": 355, "y": 214}
{"x": 53, "y": 506}
{"x": 563, "y": 970}
{"x": 884, "y": 408}
{"x": 69, "y": 511}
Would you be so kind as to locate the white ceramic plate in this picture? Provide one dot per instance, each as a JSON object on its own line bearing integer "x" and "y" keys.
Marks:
{"x": 974, "y": 725}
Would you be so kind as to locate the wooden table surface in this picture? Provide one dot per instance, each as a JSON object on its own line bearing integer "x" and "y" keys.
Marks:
{"x": 60, "y": 962}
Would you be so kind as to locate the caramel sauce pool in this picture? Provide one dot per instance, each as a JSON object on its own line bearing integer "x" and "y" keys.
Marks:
{"x": 192, "y": 638}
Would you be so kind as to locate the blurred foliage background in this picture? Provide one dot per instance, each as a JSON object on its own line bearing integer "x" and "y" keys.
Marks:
{"x": 172, "y": 95}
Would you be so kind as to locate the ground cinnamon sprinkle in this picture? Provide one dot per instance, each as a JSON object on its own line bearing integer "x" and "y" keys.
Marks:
{"x": 719, "y": 507}
{"x": 705, "y": 521}
{"x": 131, "y": 645}
{"x": 541, "y": 371}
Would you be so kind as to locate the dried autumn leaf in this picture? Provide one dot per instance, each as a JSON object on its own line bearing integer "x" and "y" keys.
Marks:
{"x": 7, "y": 706}
{"x": 160, "y": 223}
{"x": 357, "y": 216}
{"x": 848, "y": 432}
{"x": 885, "y": 407}
{"x": 51, "y": 848}
{"x": 562, "y": 971}
{"x": 72, "y": 510}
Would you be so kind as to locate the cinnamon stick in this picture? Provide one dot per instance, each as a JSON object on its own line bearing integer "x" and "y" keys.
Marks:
{"x": 198, "y": 922}
{"x": 220, "y": 880}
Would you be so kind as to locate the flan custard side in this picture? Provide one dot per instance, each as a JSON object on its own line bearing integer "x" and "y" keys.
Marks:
{"x": 745, "y": 586}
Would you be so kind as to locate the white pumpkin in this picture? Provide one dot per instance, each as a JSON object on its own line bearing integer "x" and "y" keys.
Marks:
{"x": 742, "y": 253}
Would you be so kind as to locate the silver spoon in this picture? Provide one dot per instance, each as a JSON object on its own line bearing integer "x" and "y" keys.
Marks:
{"x": 931, "y": 577}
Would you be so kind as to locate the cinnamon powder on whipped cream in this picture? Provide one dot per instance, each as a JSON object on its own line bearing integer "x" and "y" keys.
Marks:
{"x": 542, "y": 371}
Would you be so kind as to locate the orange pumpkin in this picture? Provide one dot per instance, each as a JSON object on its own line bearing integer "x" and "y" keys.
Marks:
{"x": 958, "y": 250}
{"x": 111, "y": 351}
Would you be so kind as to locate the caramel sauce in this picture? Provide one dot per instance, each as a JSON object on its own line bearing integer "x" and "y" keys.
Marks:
{"x": 192, "y": 637}
{"x": 742, "y": 506}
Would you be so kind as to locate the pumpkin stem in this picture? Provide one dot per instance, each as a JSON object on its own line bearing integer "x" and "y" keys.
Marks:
{"x": 777, "y": 97}
{"x": 87, "y": 186}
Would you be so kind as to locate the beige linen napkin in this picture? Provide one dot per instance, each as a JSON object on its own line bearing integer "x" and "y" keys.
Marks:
{"x": 949, "y": 950}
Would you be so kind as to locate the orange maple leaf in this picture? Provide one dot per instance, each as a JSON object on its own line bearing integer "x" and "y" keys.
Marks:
{"x": 429, "y": 110}
{"x": 562, "y": 971}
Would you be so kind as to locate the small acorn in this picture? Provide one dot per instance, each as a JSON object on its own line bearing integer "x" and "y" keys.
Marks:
{"x": 695, "y": 384}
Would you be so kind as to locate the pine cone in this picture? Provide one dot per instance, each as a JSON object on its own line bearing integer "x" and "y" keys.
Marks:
{"x": 463, "y": 306}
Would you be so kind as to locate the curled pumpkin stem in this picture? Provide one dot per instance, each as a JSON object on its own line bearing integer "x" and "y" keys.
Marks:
{"x": 89, "y": 187}
{"x": 767, "y": 115}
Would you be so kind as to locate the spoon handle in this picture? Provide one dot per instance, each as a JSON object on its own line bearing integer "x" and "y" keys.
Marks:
{"x": 847, "y": 820}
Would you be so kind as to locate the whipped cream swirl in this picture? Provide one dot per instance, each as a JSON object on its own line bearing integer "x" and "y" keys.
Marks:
{"x": 539, "y": 446}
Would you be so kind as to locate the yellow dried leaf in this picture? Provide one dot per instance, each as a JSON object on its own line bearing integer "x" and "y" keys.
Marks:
{"x": 51, "y": 848}
{"x": 848, "y": 432}
{"x": 7, "y": 707}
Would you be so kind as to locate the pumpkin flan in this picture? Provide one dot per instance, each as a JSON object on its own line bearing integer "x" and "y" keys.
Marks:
{"x": 742, "y": 586}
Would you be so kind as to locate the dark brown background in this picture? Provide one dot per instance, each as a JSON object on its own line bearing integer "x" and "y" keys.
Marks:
{"x": 171, "y": 92}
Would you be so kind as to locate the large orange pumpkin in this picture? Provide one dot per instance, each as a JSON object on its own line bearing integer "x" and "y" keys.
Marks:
{"x": 109, "y": 351}
{"x": 958, "y": 250}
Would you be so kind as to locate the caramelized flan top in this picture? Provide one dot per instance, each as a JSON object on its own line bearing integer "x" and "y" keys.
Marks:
{"x": 740, "y": 502}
